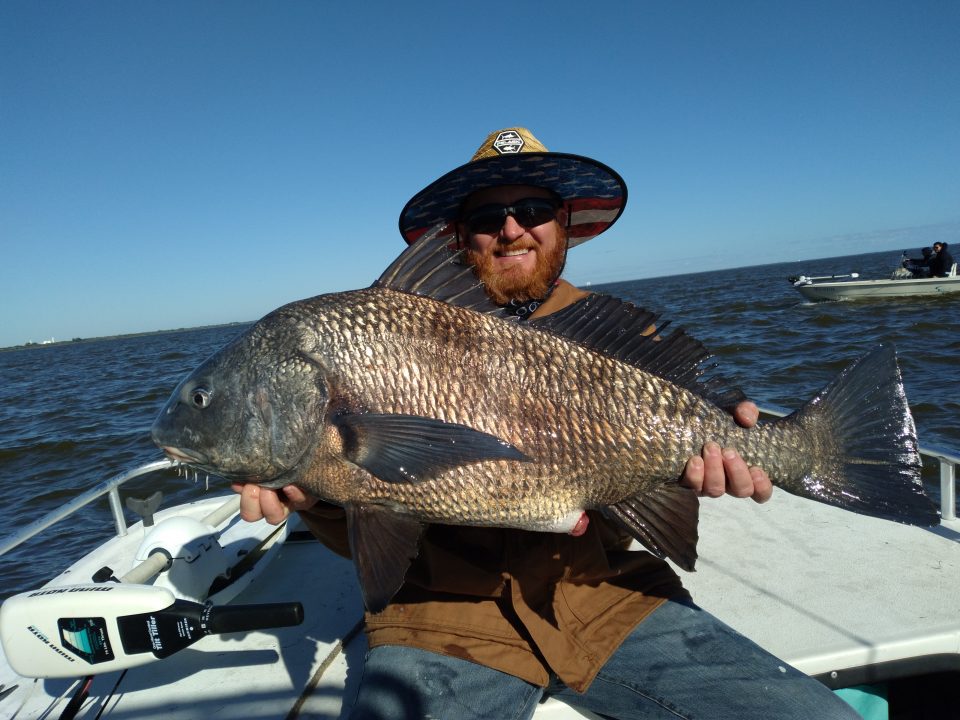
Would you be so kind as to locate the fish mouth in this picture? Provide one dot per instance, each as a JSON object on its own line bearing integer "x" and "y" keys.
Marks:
{"x": 197, "y": 461}
{"x": 183, "y": 457}
{"x": 186, "y": 461}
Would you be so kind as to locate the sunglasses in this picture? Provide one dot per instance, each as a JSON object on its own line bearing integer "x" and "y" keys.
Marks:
{"x": 528, "y": 212}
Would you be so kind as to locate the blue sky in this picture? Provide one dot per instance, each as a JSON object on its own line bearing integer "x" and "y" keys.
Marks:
{"x": 173, "y": 164}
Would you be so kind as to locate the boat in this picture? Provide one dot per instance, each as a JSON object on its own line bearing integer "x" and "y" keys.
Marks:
{"x": 869, "y": 607}
{"x": 849, "y": 287}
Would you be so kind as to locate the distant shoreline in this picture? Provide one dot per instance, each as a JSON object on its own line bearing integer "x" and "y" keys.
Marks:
{"x": 74, "y": 341}
{"x": 845, "y": 262}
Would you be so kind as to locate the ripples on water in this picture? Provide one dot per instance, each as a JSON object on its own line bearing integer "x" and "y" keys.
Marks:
{"x": 74, "y": 415}
{"x": 782, "y": 349}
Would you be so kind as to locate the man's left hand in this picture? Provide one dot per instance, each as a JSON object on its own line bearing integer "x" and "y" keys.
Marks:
{"x": 721, "y": 470}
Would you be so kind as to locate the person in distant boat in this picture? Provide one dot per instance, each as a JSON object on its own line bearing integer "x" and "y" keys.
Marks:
{"x": 490, "y": 620}
{"x": 942, "y": 261}
{"x": 919, "y": 267}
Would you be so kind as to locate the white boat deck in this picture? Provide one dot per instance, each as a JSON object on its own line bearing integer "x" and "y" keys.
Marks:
{"x": 827, "y": 590}
{"x": 296, "y": 672}
{"x": 809, "y": 582}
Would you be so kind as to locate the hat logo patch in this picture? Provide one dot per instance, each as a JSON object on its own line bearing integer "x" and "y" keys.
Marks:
{"x": 508, "y": 142}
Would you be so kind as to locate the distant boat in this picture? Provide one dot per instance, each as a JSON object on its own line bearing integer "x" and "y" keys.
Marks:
{"x": 837, "y": 287}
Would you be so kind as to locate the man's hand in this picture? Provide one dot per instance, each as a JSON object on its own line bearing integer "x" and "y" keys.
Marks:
{"x": 717, "y": 470}
{"x": 274, "y": 505}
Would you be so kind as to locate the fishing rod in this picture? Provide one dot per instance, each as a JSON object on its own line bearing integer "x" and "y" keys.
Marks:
{"x": 805, "y": 278}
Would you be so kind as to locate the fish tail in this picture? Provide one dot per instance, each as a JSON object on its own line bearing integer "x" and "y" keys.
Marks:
{"x": 865, "y": 456}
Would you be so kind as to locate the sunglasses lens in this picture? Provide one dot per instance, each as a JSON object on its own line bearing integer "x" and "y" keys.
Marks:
{"x": 534, "y": 211}
{"x": 487, "y": 219}
{"x": 529, "y": 212}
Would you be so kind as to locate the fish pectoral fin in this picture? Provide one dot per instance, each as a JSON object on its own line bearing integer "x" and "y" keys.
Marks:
{"x": 410, "y": 448}
{"x": 383, "y": 544}
{"x": 664, "y": 521}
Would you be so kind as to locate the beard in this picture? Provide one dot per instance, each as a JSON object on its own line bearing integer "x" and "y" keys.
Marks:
{"x": 513, "y": 283}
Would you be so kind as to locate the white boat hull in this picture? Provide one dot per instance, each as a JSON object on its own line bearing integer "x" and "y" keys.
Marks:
{"x": 860, "y": 289}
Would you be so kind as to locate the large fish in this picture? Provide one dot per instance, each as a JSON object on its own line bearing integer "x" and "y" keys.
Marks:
{"x": 412, "y": 402}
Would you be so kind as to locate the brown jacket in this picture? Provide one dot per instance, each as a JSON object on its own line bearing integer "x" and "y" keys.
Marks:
{"x": 525, "y": 603}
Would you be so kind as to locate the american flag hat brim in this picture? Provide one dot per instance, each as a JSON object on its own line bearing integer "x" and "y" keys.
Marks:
{"x": 593, "y": 193}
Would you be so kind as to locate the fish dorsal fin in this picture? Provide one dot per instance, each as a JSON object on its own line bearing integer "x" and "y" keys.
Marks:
{"x": 433, "y": 267}
{"x": 623, "y": 331}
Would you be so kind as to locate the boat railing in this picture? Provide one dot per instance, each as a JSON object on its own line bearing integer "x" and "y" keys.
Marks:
{"x": 110, "y": 488}
{"x": 948, "y": 461}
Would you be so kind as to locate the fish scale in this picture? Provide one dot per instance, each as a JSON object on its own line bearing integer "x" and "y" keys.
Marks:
{"x": 585, "y": 465}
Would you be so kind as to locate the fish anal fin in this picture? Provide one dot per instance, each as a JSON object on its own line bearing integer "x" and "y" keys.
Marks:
{"x": 383, "y": 543}
{"x": 664, "y": 521}
{"x": 410, "y": 448}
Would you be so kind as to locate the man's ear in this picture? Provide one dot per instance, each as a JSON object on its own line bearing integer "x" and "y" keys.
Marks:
{"x": 563, "y": 215}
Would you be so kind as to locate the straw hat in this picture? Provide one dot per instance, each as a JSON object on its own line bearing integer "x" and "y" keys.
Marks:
{"x": 593, "y": 193}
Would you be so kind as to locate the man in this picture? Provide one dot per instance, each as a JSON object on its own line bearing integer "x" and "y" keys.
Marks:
{"x": 919, "y": 267}
{"x": 941, "y": 262}
{"x": 490, "y": 619}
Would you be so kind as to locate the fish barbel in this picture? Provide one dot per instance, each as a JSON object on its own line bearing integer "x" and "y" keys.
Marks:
{"x": 413, "y": 402}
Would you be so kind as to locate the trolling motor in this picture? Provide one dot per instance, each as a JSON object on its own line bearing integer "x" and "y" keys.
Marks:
{"x": 79, "y": 630}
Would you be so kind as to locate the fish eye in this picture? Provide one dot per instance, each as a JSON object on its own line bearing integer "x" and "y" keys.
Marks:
{"x": 200, "y": 397}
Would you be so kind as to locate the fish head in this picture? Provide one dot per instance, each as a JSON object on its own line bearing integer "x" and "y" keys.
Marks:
{"x": 245, "y": 414}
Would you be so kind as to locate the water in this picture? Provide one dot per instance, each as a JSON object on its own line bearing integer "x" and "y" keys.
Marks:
{"x": 73, "y": 415}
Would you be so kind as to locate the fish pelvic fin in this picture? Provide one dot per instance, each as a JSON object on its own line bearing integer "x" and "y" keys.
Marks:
{"x": 867, "y": 458}
{"x": 409, "y": 448}
{"x": 383, "y": 543}
{"x": 664, "y": 521}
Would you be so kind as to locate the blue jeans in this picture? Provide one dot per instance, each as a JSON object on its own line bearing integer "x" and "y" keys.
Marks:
{"x": 681, "y": 662}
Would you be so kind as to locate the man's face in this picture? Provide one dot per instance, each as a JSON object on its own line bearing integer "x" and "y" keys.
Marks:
{"x": 515, "y": 262}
